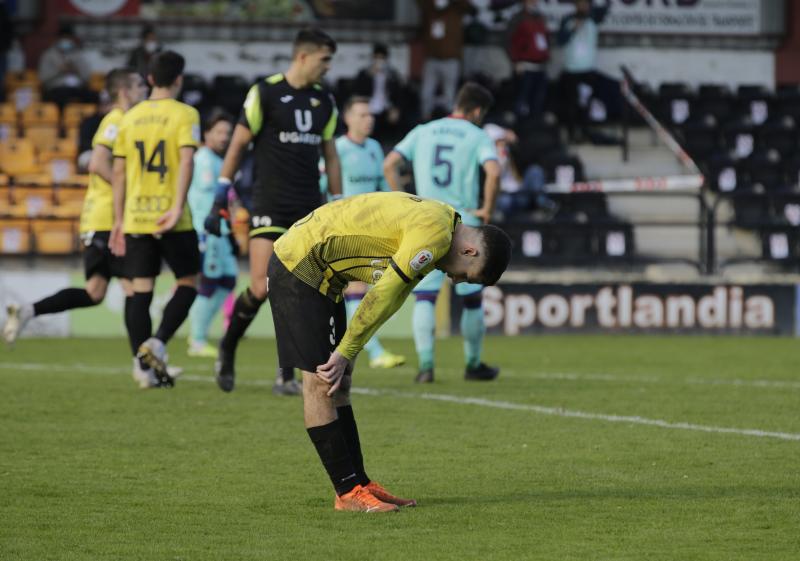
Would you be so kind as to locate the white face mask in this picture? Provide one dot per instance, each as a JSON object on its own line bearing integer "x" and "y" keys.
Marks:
{"x": 65, "y": 45}
{"x": 441, "y": 4}
{"x": 151, "y": 46}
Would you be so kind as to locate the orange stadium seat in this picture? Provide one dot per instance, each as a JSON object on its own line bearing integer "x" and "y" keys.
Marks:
{"x": 59, "y": 149}
{"x": 4, "y": 180}
{"x": 55, "y": 237}
{"x": 40, "y": 114}
{"x": 72, "y": 134}
{"x": 15, "y": 80}
{"x": 5, "y": 200}
{"x": 24, "y": 96}
{"x": 61, "y": 171}
{"x": 32, "y": 201}
{"x": 41, "y": 135}
{"x": 15, "y": 237}
{"x": 8, "y": 121}
{"x": 18, "y": 157}
{"x": 69, "y": 202}
{"x": 74, "y": 113}
{"x": 97, "y": 81}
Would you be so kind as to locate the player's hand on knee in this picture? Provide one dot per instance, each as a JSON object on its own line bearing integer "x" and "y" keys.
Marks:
{"x": 333, "y": 371}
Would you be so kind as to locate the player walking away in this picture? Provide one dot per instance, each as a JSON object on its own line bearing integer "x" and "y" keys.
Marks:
{"x": 288, "y": 117}
{"x": 152, "y": 170}
{"x": 218, "y": 253}
{"x": 445, "y": 155}
{"x": 392, "y": 240}
{"x": 126, "y": 88}
{"x": 361, "y": 160}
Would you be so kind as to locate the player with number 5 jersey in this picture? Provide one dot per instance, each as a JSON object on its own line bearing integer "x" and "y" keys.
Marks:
{"x": 446, "y": 155}
{"x": 153, "y": 165}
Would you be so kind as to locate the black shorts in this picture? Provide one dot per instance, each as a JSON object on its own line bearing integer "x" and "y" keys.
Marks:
{"x": 143, "y": 254}
{"x": 268, "y": 223}
{"x": 308, "y": 325}
{"x": 98, "y": 259}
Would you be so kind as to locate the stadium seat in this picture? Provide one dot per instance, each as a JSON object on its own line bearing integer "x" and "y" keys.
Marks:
{"x": 72, "y": 134}
{"x": 17, "y": 156}
{"x": 37, "y": 114}
{"x": 41, "y": 135}
{"x": 195, "y": 90}
{"x": 59, "y": 149}
{"x": 700, "y": 138}
{"x": 722, "y": 173}
{"x": 8, "y": 121}
{"x": 97, "y": 81}
{"x": 74, "y": 113}
{"x": 739, "y": 138}
{"x": 228, "y": 91}
{"x": 61, "y": 171}
{"x": 765, "y": 171}
{"x": 780, "y": 135}
{"x": 69, "y": 202}
{"x": 714, "y": 100}
{"x": 55, "y": 237}
{"x": 5, "y": 200}
{"x": 753, "y": 101}
{"x": 22, "y": 97}
{"x": 32, "y": 201}
{"x": 22, "y": 78}
{"x": 15, "y": 237}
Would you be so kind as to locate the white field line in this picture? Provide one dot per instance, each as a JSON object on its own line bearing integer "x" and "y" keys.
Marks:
{"x": 507, "y": 405}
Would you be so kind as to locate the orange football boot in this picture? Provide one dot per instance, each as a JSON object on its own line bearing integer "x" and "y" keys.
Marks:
{"x": 361, "y": 500}
{"x": 377, "y": 490}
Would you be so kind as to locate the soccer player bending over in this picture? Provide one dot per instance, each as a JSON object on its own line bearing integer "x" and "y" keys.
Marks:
{"x": 446, "y": 154}
{"x": 393, "y": 240}
{"x": 126, "y": 88}
{"x": 218, "y": 253}
{"x": 289, "y": 118}
{"x": 153, "y": 164}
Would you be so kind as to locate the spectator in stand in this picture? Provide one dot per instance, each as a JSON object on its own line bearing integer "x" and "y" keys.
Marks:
{"x": 442, "y": 23}
{"x": 383, "y": 86}
{"x": 64, "y": 71}
{"x": 529, "y": 51}
{"x": 578, "y": 35}
{"x": 140, "y": 57}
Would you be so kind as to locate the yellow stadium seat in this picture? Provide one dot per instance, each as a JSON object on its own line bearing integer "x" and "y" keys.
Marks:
{"x": 97, "y": 82}
{"x": 59, "y": 149}
{"x": 24, "y": 96}
{"x": 18, "y": 157}
{"x": 5, "y": 200}
{"x": 75, "y": 113}
{"x": 32, "y": 201}
{"x": 72, "y": 134}
{"x": 41, "y": 135}
{"x": 55, "y": 237}
{"x": 77, "y": 180}
{"x": 69, "y": 201}
{"x": 15, "y": 237}
{"x": 40, "y": 114}
{"x": 27, "y": 77}
{"x": 8, "y": 113}
{"x": 61, "y": 171}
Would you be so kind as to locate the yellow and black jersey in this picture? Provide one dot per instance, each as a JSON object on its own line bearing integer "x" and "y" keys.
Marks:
{"x": 288, "y": 127}
{"x": 150, "y": 137}
{"x": 98, "y": 212}
{"x": 390, "y": 240}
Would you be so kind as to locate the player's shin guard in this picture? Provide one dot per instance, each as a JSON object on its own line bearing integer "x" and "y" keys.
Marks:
{"x": 175, "y": 312}
{"x": 335, "y": 455}
{"x": 347, "y": 422}
{"x": 66, "y": 299}
{"x": 351, "y": 303}
{"x": 140, "y": 328}
{"x": 473, "y": 329}
{"x": 244, "y": 312}
{"x": 424, "y": 325}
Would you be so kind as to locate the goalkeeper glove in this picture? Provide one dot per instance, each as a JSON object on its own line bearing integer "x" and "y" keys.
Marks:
{"x": 219, "y": 211}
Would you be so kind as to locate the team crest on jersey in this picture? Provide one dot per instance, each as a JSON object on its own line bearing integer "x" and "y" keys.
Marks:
{"x": 315, "y": 102}
{"x": 111, "y": 132}
{"x": 421, "y": 260}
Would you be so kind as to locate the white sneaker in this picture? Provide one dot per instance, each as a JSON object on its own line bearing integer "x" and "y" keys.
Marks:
{"x": 153, "y": 353}
{"x": 18, "y": 316}
{"x": 144, "y": 378}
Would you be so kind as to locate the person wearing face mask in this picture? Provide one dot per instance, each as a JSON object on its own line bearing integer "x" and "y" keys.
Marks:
{"x": 149, "y": 46}
{"x": 578, "y": 36}
{"x": 64, "y": 71}
{"x": 383, "y": 86}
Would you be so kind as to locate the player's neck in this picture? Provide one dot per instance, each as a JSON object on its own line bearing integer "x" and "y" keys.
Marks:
{"x": 295, "y": 79}
{"x": 161, "y": 93}
{"x": 357, "y": 139}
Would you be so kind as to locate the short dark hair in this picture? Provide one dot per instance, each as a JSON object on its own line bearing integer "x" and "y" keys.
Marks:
{"x": 380, "y": 49}
{"x": 118, "y": 79}
{"x": 353, "y": 100}
{"x": 497, "y": 247}
{"x": 313, "y": 37}
{"x": 147, "y": 30}
{"x": 472, "y": 96}
{"x": 165, "y": 68}
{"x": 216, "y": 115}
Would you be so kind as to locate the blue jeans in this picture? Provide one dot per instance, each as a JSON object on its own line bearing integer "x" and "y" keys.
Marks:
{"x": 531, "y": 93}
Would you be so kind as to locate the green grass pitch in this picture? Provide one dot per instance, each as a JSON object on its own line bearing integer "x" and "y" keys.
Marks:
{"x": 585, "y": 449}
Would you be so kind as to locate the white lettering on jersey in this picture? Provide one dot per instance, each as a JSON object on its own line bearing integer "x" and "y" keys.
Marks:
{"x": 303, "y": 120}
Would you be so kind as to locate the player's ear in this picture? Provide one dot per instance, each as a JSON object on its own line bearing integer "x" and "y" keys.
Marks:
{"x": 151, "y": 81}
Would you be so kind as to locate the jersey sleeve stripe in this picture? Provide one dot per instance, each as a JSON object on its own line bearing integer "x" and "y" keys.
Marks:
{"x": 252, "y": 109}
{"x": 268, "y": 230}
{"x": 399, "y": 271}
{"x": 330, "y": 127}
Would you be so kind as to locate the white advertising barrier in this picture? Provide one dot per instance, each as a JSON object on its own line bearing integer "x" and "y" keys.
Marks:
{"x": 704, "y": 17}
{"x": 671, "y": 183}
{"x": 29, "y": 286}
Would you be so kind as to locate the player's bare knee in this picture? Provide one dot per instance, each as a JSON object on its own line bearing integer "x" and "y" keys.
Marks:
{"x": 258, "y": 288}
{"x": 96, "y": 288}
{"x": 190, "y": 281}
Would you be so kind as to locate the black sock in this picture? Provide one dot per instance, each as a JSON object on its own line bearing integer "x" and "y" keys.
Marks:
{"x": 286, "y": 374}
{"x": 244, "y": 311}
{"x": 347, "y": 423}
{"x": 140, "y": 328}
{"x": 128, "y": 324}
{"x": 175, "y": 312}
{"x": 67, "y": 299}
{"x": 332, "y": 449}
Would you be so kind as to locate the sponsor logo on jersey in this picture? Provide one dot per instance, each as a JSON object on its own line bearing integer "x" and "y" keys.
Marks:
{"x": 421, "y": 260}
{"x": 315, "y": 102}
{"x": 287, "y": 98}
{"x": 111, "y": 132}
{"x": 303, "y": 120}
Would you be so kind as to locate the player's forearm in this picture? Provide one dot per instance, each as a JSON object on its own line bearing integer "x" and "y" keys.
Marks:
{"x": 185, "y": 170}
{"x": 333, "y": 169}
{"x": 390, "y": 165}
{"x": 118, "y": 189}
{"x": 491, "y": 186}
{"x": 375, "y": 309}
{"x": 100, "y": 163}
